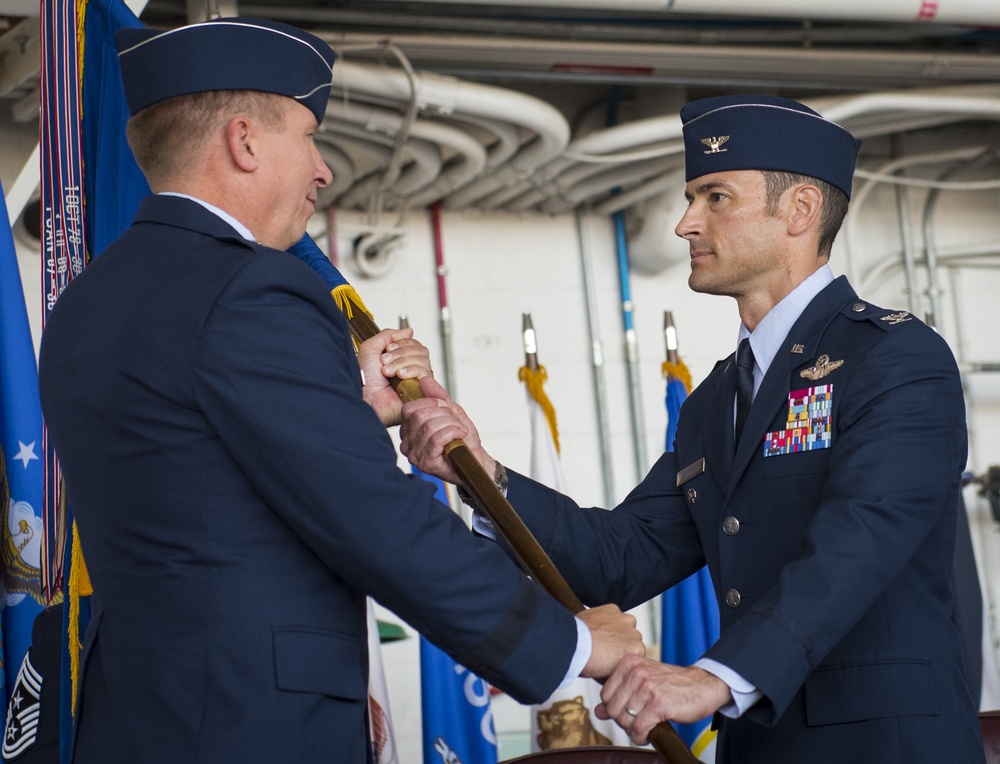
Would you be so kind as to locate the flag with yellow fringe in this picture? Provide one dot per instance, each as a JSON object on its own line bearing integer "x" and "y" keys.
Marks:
{"x": 690, "y": 615}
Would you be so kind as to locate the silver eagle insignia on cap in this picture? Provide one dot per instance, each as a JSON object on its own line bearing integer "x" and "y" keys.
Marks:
{"x": 714, "y": 143}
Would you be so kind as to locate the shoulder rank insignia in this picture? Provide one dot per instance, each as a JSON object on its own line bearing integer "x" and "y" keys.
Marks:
{"x": 897, "y": 318}
{"x": 713, "y": 144}
{"x": 823, "y": 367}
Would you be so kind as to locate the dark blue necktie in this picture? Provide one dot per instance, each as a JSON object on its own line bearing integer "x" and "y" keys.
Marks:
{"x": 744, "y": 385}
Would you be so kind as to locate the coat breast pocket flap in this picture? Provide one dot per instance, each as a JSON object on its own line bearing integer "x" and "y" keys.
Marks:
{"x": 801, "y": 463}
{"x": 323, "y": 662}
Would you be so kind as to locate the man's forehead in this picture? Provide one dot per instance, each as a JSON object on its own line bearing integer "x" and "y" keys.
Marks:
{"x": 728, "y": 178}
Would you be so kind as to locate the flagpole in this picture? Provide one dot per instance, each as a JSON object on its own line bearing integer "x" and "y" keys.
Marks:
{"x": 670, "y": 336}
{"x": 530, "y": 342}
{"x": 446, "y": 327}
{"x": 597, "y": 359}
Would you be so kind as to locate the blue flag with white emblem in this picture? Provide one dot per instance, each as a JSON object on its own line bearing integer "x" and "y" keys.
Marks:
{"x": 455, "y": 703}
{"x": 21, "y": 480}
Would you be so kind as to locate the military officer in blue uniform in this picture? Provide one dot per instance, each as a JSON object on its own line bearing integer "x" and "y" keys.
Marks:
{"x": 816, "y": 471}
{"x": 236, "y": 492}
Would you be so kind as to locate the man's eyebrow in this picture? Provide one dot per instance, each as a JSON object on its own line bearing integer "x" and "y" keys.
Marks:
{"x": 705, "y": 187}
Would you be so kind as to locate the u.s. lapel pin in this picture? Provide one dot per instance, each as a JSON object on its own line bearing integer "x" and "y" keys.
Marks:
{"x": 823, "y": 367}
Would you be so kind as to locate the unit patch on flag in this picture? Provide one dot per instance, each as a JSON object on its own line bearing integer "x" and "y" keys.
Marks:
{"x": 808, "y": 426}
{"x": 23, "y": 711}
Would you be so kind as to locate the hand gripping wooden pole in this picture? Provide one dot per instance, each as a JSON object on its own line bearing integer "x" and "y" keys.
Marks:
{"x": 529, "y": 553}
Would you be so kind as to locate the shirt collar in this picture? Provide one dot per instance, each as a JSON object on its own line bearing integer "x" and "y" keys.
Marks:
{"x": 241, "y": 229}
{"x": 766, "y": 339}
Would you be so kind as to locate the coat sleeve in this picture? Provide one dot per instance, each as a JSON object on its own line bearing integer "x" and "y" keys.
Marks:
{"x": 627, "y": 555}
{"x": 278, "y": 379}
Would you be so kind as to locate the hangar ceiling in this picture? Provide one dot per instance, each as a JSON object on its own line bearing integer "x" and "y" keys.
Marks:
{"x": 567, "y": 102}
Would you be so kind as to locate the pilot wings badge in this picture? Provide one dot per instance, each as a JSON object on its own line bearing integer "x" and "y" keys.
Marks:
{"x": 823, "y": 367}
{"x": 714, "y": 144}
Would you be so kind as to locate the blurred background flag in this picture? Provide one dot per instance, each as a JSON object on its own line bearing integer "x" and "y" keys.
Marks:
{"x": 566, "y": 719}
{"x": 379, "y": 716}
{"x": 455, "y": 703}
{"x": 21, "y": 481}
{"x": 690, "y": 620}
{"x": 113, "y": 184}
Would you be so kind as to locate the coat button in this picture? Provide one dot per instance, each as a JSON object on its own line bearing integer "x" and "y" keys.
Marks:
{"x": 859, "y": 307}
{"x": 731, "y": 526}
{"x": 733, "y": 598}
{"x": 692, "y": 496}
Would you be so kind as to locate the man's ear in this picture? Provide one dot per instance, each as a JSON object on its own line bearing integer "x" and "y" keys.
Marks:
{"x": 241, "y": 144}
{"x": 806, "y": 203}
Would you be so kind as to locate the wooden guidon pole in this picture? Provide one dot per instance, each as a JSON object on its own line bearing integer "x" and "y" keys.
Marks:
{"x": 533, "y": 559}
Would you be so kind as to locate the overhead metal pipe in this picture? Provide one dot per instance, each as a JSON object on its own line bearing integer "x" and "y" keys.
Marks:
{"x": 971, "y": 12}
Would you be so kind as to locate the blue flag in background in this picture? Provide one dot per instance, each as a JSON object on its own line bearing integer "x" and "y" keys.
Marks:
{"x": 455, "y": 703}
{"x": 21, "y": 468}
{"x": 690, "y": 613}
{"x": 113, "y": 185}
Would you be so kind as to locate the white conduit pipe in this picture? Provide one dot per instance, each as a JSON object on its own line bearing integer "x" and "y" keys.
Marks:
{"x": 424, "y": 167}
{"x": 599, "y": 183}
{"x": 859, "y": 197}
{"x": 876, "y": 111}
{"x": 507, "y": 142}
{"x": 935, "y": 100}
{"x": 469, "y": 163}
{"x": 340, "y": 165}
{"x": 617, "y": 202}
{"x": 448, "y": 94}
{"x": 567, "y": 184}
{"x": 625, "y": 137}
{"x": 974, "y": 12}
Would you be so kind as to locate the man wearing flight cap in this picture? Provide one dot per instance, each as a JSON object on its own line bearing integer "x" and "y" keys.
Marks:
{"x": 236, "y": 492}
{"x": 816, "y": 471}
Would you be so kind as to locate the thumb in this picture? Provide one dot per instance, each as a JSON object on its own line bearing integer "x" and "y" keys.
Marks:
{"x": 431, "y": 388}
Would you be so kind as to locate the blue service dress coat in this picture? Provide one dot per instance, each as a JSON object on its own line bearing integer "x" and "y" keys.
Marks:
{"x": 831, "y": 565}
{"x": 236, "y": 501}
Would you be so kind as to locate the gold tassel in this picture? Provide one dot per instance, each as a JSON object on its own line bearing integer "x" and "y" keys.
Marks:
{"x": 535, "y": 381}
{"x": 678, "y": 371}
{"x": 347, "y": 300}
{"x": 79, "y": 586}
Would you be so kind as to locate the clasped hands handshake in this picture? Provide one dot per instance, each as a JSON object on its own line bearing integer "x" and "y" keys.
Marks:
{"x": 638, "y": 692}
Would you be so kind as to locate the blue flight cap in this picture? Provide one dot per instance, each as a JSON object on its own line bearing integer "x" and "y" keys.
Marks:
{"x": 225, "y": 54}
{"x": 751, "y": 132}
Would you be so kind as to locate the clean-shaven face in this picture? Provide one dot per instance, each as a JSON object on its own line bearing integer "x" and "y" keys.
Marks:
{"x": 736, "y": 245}
{"x": 293, "y": 173}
